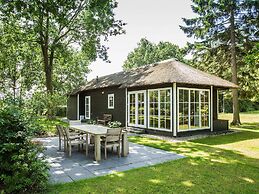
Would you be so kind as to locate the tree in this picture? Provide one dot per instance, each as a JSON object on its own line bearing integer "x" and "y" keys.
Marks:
{"x": 18, "y": 61}
{"x": 225, "y": 30}
{"x": 148, "y": 52}
{"x": 54, "y": 23}
{"x": 59, "y": 24}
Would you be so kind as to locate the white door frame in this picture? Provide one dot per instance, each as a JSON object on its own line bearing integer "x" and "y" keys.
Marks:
{"x": 89, "y": 109}
{"x": 136, "y": 108}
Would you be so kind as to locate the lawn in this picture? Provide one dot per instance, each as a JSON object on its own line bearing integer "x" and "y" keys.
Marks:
{"x": 245, "y": 117}
{"x": 221, "y": 164}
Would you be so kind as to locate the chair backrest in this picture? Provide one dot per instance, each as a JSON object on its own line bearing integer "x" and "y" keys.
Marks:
{"x": 107, "y": 117}
{"x": 60, "y": 130}
{"x": 66, "y": 132}
{"x": 113, "y": 134}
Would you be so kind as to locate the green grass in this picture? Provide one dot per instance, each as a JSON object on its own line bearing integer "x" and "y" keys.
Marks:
{"x": 245, "y": 117}
{"x": 221, "y": 164}
{"x": 49, "y": 125}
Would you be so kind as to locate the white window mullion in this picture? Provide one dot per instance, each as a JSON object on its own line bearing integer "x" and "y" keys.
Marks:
{"x": 200, "y": 109}
{"x": 189, "y": 110}
{"x": 148, "y": 110}
{"x": 159, "y": 112}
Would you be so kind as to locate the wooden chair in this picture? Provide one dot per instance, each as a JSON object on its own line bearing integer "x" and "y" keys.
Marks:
{"x": 61, "y": 137}
{"x": 112, "y": 138}
{"x": 105, "y": 119}
{"x": 73, "y": 140}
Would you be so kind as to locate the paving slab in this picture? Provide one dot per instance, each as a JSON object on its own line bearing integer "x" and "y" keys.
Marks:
{"x": 78, "y": 166}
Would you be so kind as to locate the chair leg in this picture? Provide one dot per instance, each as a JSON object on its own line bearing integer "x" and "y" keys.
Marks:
{"x": 59, "y": 141}
{"x": 119, "y": 151}
{"x": 105, "y": 153}
{"x": 69, "y": 150}
{"x": 65, "y": 145}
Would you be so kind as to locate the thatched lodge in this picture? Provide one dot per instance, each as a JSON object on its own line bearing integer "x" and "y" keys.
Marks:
{"x": 167, "y": 97}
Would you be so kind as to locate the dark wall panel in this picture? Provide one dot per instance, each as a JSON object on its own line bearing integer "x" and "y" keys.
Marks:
{"x": 215, "y": 104}
{"x": 72, "y": 107}
{"x": 99, "y": 103}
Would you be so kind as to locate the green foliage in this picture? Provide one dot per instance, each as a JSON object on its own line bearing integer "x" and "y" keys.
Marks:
{"x": 148, "y": 52}
{"x": 64, "y": 37}
{"x": 212, "y": 30}
{"x": 47, "y": 127}
{"x": 89, "y": 121}
{"x": 22, "y": 169}
{"x": 19, "y": 63}
{"x": 245, "y": 105}
{"x": 114, "y": 124}
{"x": 250, "y": 74}
{"x": 41, "y": 103}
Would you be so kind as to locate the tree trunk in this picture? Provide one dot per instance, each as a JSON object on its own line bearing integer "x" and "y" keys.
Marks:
{"x": 236, "y": 117}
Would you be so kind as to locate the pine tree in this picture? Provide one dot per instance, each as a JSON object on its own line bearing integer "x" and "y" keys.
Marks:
{"x": 225, "y": 29}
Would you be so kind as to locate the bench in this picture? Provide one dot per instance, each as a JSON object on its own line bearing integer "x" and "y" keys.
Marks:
{"x": 105, "y": 119}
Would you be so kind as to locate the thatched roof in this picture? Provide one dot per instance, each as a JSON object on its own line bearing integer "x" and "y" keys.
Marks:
{"x": 169, "y": 71}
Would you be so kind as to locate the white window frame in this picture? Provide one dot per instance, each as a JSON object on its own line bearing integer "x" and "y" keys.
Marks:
{"x": 171, "y": 120}
{"x": 193, "y": 129}
{"x": 136, "y": 109}
{"x": 109, "y": 106}
{"x": 89, "y": 100}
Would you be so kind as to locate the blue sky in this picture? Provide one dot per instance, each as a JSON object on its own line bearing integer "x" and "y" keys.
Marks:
{"x": 156, "y": 20}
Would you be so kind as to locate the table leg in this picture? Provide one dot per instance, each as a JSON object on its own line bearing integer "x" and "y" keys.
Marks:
{"x": 86, "y": 145}
{"x": 97, "y": 146}
{"x": 125, "y": 145}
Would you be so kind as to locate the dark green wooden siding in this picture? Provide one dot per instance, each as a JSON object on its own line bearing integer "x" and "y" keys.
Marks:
{"x": 99, "y": 103}
{"x": 72, "y": 107}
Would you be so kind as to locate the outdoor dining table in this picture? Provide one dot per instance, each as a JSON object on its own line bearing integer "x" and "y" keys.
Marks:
{"x": 99, "y": 131}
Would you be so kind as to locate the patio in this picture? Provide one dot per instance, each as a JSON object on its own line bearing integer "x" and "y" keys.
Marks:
{"x": 65, "y": 169}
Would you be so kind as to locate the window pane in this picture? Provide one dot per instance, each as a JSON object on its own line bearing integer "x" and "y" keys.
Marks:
{"x": 132, "y": 109}
{"x": 180, "y": 95}
{"x": 186, "y": 96}
{"x": 141, "y": 108}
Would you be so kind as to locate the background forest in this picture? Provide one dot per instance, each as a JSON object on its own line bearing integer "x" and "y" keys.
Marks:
{"x": 45, "y": 51}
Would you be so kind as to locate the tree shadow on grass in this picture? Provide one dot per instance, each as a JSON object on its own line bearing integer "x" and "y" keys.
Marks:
{"x": 228, "y": 138}
{"x": 205, "y": 169}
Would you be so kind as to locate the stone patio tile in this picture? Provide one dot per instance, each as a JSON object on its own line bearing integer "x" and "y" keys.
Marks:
{"x": 60, "y": 179}
{"x": 77, "y": 173}
{"x": 104, "y": 164}
{"x": 78, "y": 166}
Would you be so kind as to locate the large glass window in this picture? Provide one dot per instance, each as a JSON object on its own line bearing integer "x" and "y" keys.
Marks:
{"x": 193, "y": 109}
{"x": 160, "y": 109}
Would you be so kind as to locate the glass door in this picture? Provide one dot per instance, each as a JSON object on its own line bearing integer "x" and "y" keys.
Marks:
{"x": 87, "y": 107}
{"x": 137, "y": 109}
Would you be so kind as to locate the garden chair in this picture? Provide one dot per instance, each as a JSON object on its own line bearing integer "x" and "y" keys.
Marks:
{"x": 73, "y": 140}
{"x": 105, "y": 119}
{"x": 61, "y": 137}
{"x": 112, "y": 139}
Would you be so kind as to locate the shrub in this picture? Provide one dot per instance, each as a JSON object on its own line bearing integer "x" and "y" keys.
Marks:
{"x": 114, "y": 124}
{"x": 244, "y": 105}
{"x": 89, "y": 121}
{"x": 22, "y": 169}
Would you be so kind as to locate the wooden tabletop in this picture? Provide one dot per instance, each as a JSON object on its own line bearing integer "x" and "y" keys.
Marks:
{"x": 91, "y": 129}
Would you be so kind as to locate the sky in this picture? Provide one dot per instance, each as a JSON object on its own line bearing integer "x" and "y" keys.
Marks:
{"x": 156, "y": 20}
